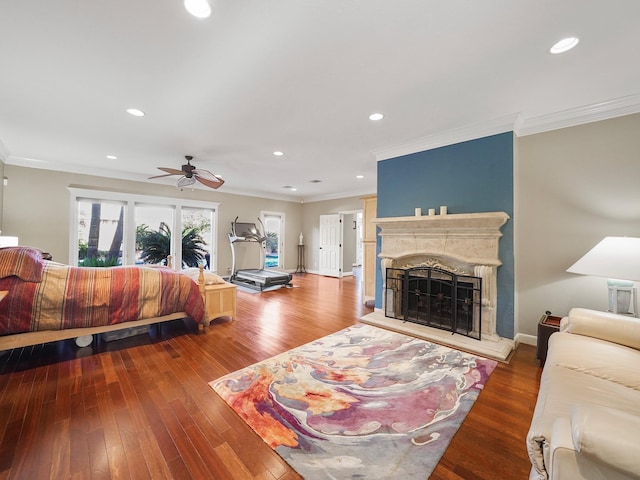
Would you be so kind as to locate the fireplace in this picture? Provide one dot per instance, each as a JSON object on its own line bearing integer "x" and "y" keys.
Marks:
{"x": 439, "y": 275}
{"x": 436, "y": 298}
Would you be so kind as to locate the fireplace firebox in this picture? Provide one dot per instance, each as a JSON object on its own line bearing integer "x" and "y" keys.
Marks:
{"x": 436, "y": 298}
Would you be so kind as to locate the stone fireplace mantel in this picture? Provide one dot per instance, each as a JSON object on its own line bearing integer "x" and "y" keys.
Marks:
{"x": 489, "y": 221}
{"x": 470, "y": 237}
{"x": 459, "y": 242}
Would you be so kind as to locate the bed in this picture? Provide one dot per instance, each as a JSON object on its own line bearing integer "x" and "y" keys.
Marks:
{"x": 43, "y": 301}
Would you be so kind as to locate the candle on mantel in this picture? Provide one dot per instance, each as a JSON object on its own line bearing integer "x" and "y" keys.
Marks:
{"x": 418, "y": 212}
{"x": 443, "y": 210}
{"x": 432, "y": 211}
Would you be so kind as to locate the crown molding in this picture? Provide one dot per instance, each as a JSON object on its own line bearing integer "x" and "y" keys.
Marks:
{"x": 449, "y": 137}
{"x": 519, "y": 124}
{"x": 135, "y": 177}
{"x": 577, "y": 116}
{"x": 364, "y": 192}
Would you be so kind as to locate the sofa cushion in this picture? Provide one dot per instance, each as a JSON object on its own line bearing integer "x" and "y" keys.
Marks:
{"x": 608, "y": 326}
{"x": 595, "y": 357}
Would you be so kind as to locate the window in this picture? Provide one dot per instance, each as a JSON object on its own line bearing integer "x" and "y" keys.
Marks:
{"x": 154, "y": 224}
{"x": 198, "y": 222}
{"x": 110, "y": 228}
{"x": 99, "y": 230}
{"x": 274, "y": 231}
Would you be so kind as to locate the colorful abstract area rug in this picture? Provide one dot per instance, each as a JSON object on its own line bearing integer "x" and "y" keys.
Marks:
{"x": 362, "y": 403}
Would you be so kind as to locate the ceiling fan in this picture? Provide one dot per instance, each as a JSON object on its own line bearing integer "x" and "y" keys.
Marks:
{"x": 189, "y": 174}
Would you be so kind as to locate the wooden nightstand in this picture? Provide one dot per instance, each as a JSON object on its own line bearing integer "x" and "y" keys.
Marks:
{"x": 548, "y": 324}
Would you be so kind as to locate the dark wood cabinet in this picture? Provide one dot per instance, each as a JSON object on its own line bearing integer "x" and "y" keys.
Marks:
{"x": 547, "y": 325}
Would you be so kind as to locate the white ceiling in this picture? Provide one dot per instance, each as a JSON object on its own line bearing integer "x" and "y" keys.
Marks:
{"x": 300, "y": 76}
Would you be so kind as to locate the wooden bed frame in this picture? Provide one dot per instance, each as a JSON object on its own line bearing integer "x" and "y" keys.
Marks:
{"x": 219, "y": 301}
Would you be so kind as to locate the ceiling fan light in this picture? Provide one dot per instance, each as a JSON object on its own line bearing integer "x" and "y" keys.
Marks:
{"x": 198, "y": 8}
{"x": 185, "y": 181}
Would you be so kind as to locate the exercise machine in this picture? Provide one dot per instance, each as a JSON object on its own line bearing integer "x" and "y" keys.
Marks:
{"x": 254, "y": 278}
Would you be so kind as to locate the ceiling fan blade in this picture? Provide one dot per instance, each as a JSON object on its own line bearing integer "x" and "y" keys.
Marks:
{"x": 206, "y": 174}
{"x": 171, "y": 171}
{"x": 217, "y": 183}
{"x": 160, "y": 176}
{"x": 189, "y": 174}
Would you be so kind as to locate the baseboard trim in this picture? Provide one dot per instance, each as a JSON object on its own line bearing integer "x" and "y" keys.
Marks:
{"x": 526, "y": 339}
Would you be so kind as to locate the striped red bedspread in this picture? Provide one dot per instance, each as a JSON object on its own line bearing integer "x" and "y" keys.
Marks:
{"x": 75, "y": 297}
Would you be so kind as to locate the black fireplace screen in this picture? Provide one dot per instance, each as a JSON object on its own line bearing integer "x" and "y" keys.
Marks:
{"x": 436, "y": 298}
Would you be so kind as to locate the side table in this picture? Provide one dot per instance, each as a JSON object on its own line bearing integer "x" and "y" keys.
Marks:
{"x": 300, "y": 268}
{"x": 547, "y": 325}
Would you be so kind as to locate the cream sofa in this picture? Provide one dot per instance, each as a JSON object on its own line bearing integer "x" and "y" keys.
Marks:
{"x": 586, "y": 424}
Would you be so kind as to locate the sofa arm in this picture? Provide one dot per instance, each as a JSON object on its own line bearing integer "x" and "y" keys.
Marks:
{"x": 607, "y": 326}
{"x": 607, "y": 436}
{"x": 562, "y": 452}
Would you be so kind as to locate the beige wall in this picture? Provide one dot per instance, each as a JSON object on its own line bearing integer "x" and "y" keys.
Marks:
{"x": 37, "y": 209}
{"x": 573, "y": 187}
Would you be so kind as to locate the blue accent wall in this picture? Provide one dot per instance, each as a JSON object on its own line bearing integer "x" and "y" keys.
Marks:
{"x": 468, "y": 177}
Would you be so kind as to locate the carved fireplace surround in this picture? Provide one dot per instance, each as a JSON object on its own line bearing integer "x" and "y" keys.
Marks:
{"x": 466, "y": 243}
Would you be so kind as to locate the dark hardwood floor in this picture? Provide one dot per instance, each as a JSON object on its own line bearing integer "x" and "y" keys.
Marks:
{"x": 142, "y": 407}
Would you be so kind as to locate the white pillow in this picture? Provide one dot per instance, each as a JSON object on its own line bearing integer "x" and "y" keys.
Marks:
{"x": 210, "y": 278}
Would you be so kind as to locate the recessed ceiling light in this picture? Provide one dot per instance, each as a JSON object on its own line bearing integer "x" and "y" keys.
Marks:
{"x": 359, "y": 177}
{"x": 564, "y": 45}
{"x": 278, "y": 153}
{"x": 198, "y": 8}
{"x": 376, "y": 116}
{"x": 112, "y": 157}
{"x": 294, "y": 189}
{"x": 135, "y": 112}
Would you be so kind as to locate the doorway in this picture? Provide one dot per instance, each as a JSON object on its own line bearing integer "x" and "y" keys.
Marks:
{"x": 274, "y": 231}
{"x": 340, "y": 243}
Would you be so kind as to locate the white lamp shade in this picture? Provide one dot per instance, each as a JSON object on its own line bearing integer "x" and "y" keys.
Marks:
{"x": 613, "y": 257}
{"x": 8, "y": 241}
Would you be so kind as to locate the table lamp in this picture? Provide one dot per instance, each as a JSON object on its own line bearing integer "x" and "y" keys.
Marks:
{"x": 618, "y": 260}
{"x": 6, "y": 241}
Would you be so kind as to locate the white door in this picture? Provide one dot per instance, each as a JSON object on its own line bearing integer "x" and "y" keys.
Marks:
{"x": 331, "y": 245}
